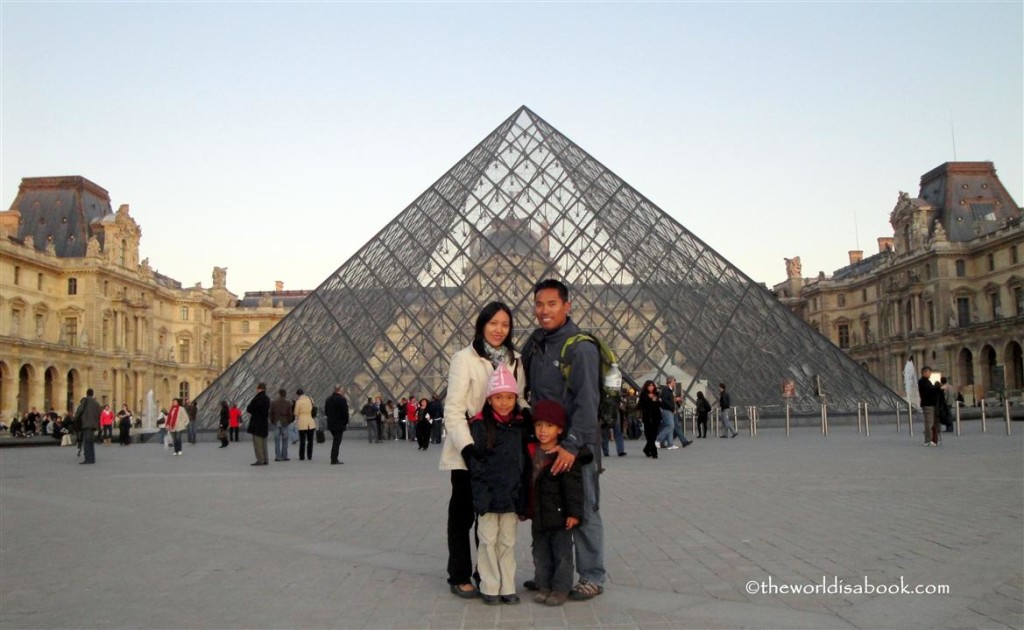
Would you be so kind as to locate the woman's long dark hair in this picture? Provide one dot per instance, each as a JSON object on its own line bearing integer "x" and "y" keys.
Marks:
{"x": 487, "y": 314}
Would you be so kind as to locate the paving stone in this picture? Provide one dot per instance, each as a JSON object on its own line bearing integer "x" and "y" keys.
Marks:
{"x": 144, "y": 540}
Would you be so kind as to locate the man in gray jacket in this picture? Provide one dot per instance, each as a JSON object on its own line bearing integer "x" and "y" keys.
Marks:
{"x": 88, "y": 419}
{"x": 580, "y": 397}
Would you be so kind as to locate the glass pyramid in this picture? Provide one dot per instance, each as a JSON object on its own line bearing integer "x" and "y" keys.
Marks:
{"x": 525, "y": 204}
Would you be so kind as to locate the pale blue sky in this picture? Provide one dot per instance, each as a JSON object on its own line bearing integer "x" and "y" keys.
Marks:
{"x": 276, "y": 138}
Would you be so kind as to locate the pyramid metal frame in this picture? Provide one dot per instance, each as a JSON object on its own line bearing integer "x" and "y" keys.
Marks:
{"x": 524, "y": 204}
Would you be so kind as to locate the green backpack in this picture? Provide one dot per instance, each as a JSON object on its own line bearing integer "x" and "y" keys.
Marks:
{"x": 611, "y": 377}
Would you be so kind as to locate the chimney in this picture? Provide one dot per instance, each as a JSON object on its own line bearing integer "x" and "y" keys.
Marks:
{"x": 856, "y": 256}
{"x": 278, "y": 285}
{"x": 884, "y": 244}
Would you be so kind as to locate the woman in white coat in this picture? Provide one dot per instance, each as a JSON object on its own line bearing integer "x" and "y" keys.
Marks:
{"x": 305, "y": 423}
{"x": 467, "y": 391}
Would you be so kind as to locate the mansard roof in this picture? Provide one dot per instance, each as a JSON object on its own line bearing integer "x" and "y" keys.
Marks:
{"x": 970, "y": 199}
{"x": 60, "y": 209}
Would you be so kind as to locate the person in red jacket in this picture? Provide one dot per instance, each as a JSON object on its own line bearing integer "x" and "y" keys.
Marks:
{"x": 177, "y": 421}
{"x": 106, "y": 424}
{"x": 234, "y": 419}
{"x": 410, "y": 417}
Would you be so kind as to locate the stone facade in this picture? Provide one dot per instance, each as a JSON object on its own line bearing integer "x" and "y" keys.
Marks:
{"x": 947, "y": 289}
{"x": 79, "y": 309}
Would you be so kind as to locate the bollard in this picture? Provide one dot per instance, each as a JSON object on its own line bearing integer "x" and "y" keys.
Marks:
{"x": 860, "y": 428}
{"x": 824, "y": 411}
{"x": 898, "y": 429}
{"x": 787, "y": 419}
{"x": 957, "y": 417}
{"x": 910, "y": 418}
{"x": 1006, "y": 405}
{"x": 984, "y": 427}
{"x": 693, "y": 423}
{"x": 750, "y": 421}
{"x": 867, "y": 422}
{"x": 757, "y": 418}
{"x": 715, "y": 420}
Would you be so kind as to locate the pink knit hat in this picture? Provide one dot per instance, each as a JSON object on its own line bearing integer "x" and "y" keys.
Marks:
{"x": 501, "y": 380}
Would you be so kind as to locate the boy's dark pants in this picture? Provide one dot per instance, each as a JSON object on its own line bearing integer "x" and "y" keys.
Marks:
{"x": 552, "y": 559}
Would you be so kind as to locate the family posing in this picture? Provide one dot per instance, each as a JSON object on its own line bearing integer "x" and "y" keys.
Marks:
{"x": 511, "y": 460}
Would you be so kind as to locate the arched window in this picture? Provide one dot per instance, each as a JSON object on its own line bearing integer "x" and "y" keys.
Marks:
{"x": 183, "y": 390}
{"x": 72, "y": 286}
{"x": 961, "y": 268}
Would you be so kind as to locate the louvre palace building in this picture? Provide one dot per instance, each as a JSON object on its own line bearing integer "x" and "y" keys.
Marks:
{"x": 79, "y": 310}
{"x": 945, "y": 290}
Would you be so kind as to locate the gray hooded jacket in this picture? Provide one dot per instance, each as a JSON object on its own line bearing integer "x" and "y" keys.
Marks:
{"x": 581, "y": 397}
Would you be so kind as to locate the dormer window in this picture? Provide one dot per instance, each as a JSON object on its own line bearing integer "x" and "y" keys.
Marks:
{"x": 983, "y": 211}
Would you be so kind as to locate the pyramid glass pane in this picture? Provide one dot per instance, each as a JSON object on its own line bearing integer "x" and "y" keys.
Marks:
{"x": 525, "y": 204}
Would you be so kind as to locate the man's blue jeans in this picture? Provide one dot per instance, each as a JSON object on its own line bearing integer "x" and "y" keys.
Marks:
{"x": 281, "y": 441}
{"x": 620, "y": 445}
{"x": 589, "y": 535}
{"x": 678, "y": 431}
{"x": 668, "y": 425}
{"x": 191, "y": 431}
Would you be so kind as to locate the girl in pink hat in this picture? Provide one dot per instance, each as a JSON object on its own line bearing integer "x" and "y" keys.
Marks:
{"x": 499, "y": 494}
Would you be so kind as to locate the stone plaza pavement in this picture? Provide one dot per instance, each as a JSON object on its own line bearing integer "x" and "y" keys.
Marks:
{"x": 146, "y": 540}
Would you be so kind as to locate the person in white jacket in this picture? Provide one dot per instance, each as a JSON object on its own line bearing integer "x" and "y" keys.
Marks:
{"x": 468, "y": 373}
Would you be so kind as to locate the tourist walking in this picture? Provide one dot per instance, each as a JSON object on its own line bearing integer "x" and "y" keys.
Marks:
{"x": 336, "y": 410}
{"x": 234, "y": 422}
{"x": 306, "y": 424}
{"x": 280, "y": 420}
{"x": 725, "y": 404}
{"x": 177, "y": 421}
{"x": 424, "y": 425}
{"x": 703, "y": 411}
{"x": 193, "y": 414}
{"x": 87, "y": 420}
{"x": 224, "y": 423}
{"x": 259, "y": 423}
{"x": 650, "y": 414}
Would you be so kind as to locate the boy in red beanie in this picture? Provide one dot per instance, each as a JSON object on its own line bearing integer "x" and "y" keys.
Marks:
{"x": 556, "y": 505}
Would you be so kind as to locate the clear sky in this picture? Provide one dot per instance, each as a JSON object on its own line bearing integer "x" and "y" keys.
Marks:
{"x": 276, "y": 138}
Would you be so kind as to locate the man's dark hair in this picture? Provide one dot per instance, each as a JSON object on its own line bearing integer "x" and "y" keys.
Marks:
{"x": 282, "y": 393}
{"x": 487, "y": 313}
{"x": 551, "y": 283}
{"x": 262, "y": 386}
{"x": 299, "y": 392}
{"x": 722, "y": 385}
{"x": 89, "y": 392}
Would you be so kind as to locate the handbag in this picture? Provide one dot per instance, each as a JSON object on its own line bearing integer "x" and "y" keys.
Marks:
{"x": 320, "y": 437}
{"x": 222, "y": 434}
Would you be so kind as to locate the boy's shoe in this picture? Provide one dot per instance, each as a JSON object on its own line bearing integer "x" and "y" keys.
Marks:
{"x": 510, "y": 599}
{"x": 556, "y": 598}
{"x": 491, "y": 600}
{"x": 584, "y": 590}
{"x": 530, "y": 585}
{"x": 541, "y": 596}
